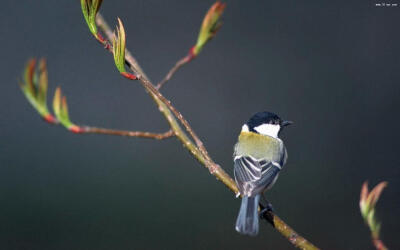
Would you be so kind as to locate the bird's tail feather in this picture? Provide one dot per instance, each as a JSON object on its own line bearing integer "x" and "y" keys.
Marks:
{"x": 247, "y": 220}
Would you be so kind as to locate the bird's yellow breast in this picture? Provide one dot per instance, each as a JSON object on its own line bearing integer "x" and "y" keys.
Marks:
{"x": 258, "y": 146}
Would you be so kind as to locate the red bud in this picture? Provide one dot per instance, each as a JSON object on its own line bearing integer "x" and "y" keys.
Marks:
{"x": 50, "y": 119}
{"x": 76, "y": 129}
{"x": 129, "y": 75}
{"x": 191, "y": 54}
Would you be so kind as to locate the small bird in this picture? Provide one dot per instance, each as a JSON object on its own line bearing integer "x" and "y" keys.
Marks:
{"x": 259, "y": 156}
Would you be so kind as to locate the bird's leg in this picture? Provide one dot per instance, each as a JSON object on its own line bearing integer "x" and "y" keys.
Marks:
{"x": 265, "y": 206}
{"x": 266, "y": 210}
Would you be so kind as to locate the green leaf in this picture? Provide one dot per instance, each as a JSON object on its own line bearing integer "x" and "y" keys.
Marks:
{"x": 28, "y": 76}
{"x": 43, "y": 82}
{"x": 85, "y": 10}
{"x": 57, "y": 102}
{"x": 89, "y": 10}
{"x": 119, "y": 44}
{"x": 60, "y": 109}
{"x": 64, "y": 109}
{"x": 210, "y": 26}
{"x": 34, "y": 87}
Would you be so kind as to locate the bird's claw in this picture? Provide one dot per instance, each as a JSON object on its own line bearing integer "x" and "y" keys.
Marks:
{"x": 268, "y": 208}
{"x": 265, "y": 209}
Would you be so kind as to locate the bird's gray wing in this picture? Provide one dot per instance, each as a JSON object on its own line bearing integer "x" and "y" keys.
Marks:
{"x": 253, "y": 176}
{"x": 284, "y": 157}
{"x": 247, "y": 169}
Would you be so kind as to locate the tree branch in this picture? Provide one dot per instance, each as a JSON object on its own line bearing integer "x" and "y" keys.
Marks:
{"x": 199, "y": 151}
{"x": 177, "y": 66}
{"x": 157, "y": 96}
{"x": 104, "y": 131}
{"x": 164, "y": 105}
{"x": 286, "y": 230}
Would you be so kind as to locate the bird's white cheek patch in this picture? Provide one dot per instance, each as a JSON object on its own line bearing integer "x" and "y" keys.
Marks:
{"x": 245, "y": 128}
{"x": 268, "y": 129}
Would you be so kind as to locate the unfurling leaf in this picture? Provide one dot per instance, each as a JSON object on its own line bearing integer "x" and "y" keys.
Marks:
{"x": 210, "y": 26}
{"x": 368, "y": 201}
{"x": 43, "y": 81}
{"x": 57, "y": 102}
{"x": 60, "y": 108}
{"x": 35, "y": 86}
{"x": 28, "y": 76}
{"x": 89, "y": 10}
{"x": 119, "y": 45}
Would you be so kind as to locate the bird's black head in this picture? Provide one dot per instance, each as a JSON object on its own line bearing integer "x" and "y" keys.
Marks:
{"x": 265, "y": 123}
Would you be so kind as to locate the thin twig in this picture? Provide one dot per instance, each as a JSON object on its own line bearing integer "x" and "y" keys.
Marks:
{"x": 158, "y": 136}
{"x": 201, "y": 154}
{"x": 105, "y": 131}
{"x": 177, "y": 66}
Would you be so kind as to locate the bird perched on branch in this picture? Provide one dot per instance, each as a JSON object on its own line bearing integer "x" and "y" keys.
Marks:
{"x": 259, "y": 156}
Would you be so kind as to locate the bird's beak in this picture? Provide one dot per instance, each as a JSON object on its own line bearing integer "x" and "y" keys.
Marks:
{"x": 286, "y": 123}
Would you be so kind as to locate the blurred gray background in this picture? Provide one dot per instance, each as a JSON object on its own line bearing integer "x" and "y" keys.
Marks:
{"x": 332, "y": 67}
